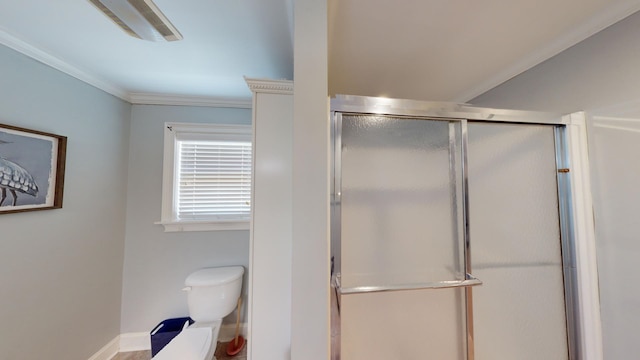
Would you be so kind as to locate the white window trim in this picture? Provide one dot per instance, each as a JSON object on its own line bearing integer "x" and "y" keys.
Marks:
{"x": 168, "y": 219}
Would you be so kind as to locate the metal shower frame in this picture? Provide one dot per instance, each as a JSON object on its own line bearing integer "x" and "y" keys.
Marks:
{"x": 462, "y": 113}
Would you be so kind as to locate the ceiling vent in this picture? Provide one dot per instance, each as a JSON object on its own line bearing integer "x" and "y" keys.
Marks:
{"x": 139, "y": 18}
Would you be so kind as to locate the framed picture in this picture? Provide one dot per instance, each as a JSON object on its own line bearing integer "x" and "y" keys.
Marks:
{"x": 31, "y": 169}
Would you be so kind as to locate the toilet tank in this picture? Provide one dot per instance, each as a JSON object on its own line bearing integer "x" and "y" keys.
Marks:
{"x": 212, "y": 293}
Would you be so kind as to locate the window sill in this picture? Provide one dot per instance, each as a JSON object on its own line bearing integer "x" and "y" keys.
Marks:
{"x": 178, "y": 226}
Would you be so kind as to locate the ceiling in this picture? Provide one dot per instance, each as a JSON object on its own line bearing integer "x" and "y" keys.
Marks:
{"x": 453, "y": 50}
{"x": 224, "y": 40}
{"x": 449, "y": 50}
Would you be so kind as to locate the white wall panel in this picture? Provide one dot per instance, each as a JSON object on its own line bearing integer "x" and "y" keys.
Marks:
{"x": 614, "y": 147}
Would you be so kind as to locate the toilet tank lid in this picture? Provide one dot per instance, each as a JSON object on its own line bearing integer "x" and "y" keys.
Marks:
{"x": 214, "y": 276}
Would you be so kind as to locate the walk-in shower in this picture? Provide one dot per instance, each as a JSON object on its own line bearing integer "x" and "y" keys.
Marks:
{"x": 452, "y": 233}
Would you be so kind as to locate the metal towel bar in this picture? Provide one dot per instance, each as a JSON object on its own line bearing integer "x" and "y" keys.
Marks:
{"x": 469, "y": 280}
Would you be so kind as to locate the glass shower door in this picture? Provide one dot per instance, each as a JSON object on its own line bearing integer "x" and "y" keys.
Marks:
{"x": 402, "y": 266}
{"x": 515, "y": 227}
{"x": 409, "y": 199}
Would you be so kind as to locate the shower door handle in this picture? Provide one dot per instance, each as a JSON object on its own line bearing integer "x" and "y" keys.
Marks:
{"x": 469, "y": 281}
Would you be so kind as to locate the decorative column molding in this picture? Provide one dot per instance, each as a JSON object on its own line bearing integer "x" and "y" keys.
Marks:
{"x": 270, "y": 86}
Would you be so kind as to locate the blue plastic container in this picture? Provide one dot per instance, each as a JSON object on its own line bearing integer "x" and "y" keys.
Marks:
{"x": 166, "y": 331}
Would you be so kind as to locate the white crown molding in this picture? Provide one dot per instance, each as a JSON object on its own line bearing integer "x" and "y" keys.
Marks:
{"x": 37, "y": 54}
{"x": 167, "y": 99}
{"x": 612, "y": 15}
{"x": 270, "y": 86}
{"x": 31, "y": 51}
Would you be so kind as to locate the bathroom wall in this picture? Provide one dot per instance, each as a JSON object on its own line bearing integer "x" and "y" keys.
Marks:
{"x": 597, "y": 73}
{"x": 61, "y": 270}
{"x": 157, "y": 263}
{"x": 600, "y": 75}
{"x": 615, "y": 144}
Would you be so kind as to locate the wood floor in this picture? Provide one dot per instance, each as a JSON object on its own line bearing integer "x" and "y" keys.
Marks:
{"x": 135, "y": 355}
{"x": 146, "y": 355}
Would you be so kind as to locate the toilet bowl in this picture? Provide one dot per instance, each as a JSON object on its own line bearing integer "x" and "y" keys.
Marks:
{"x": 212, "y": 294}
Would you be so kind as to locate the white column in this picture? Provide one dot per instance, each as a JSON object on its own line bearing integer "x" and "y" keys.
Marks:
{"x": 310, "y": 293}
{"x": 271, "y": 220}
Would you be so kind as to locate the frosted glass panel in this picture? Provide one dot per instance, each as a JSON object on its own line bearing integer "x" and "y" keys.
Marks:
{"x": 519, "y": 309}
{"x": 406, "y": 325}
{"x": 400, "y": 207}
{"x": 401, "y": 222}
{"x": 398, "y": 211}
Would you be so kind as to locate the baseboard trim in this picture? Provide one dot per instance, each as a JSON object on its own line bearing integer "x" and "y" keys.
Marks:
{"x": 108, "y": 351}
{"x": 135, "y": 342}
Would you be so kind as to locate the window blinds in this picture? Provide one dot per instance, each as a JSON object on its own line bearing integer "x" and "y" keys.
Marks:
{"x": 214, "y": 180}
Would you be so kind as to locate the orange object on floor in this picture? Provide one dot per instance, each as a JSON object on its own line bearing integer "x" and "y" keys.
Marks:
{"x": 235, "y": 346}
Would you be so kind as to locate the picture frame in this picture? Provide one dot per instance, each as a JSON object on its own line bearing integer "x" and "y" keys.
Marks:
{"x": 32, "y": 166}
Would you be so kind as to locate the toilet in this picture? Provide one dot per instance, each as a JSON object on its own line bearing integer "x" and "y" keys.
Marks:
{"x": 212, "y": 294}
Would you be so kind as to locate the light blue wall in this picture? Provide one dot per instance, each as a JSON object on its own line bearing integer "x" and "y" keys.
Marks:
{"x": 76, "y": 277}
{"x": 61, "y": 270}
{"x": 157, "y": 263}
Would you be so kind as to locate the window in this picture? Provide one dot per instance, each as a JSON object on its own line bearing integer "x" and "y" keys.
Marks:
{"x": 207, "y": 177}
